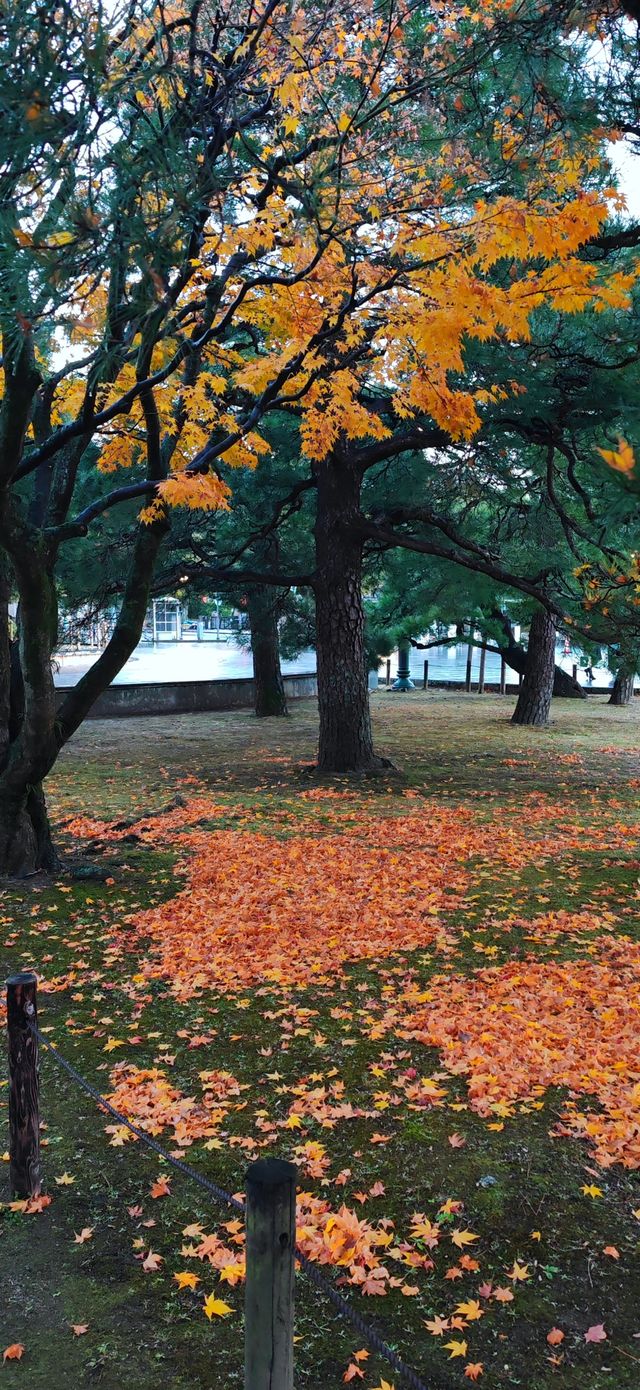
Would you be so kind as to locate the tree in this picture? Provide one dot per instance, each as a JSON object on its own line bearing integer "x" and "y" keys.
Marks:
{"x": 534, "y": 699}
{"x": 242, "y": 212}
{"x": 178, "y": 201}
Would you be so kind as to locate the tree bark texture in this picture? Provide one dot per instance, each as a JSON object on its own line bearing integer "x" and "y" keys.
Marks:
{"x": 534, "y": 700}
{"x": 622, "y": 692}
{"x": 270, "y": 698}
{"x": 32, "y": 732}
{"x": 345, "y": 741}
{"x": 564, "y": 686}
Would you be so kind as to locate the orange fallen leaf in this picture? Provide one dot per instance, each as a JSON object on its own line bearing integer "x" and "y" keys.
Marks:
{"x": 79, "y": 1328}
{"x": 160, "y": 1188}
{"x": 15, "y": 1352}
{"x": 503, "y": 1295}
{"x": 555, "y": 1337}
{"x": 473, "y": 1370}
{"x": 152, "y": 1262}
{"x": 436, "y": 1326}
{"x": 81, "y": 1237}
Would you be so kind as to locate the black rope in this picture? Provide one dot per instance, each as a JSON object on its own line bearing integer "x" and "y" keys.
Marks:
{"x": 407, "y": 1374}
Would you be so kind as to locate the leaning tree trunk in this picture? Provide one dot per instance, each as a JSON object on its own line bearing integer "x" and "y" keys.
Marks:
{"x": 534, "y": 700}
{"x": 564, "y": 685}
{"x": 622, "y": 692}
{"x": 270, "y": 698}
{"x": 345, "y": 740}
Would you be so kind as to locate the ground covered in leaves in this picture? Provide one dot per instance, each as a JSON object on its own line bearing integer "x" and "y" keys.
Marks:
{"x": 423, "y": 988}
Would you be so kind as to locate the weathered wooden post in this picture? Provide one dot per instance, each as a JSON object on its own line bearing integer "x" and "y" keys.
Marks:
{"x": 270, "y": 1188}
{"x": 574, "y": 671}
{"x": 483, "y": 657}
{"x": 503, "y": 676}
{"x": 24, "y": 1109}
{"x": 467, "y": 681}
{"x": 425, "y": 678}
{"x": 388, "y": 671}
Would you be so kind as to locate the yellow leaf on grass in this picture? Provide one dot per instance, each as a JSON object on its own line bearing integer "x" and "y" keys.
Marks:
{"x": 186, "y": 1280}
{"x": 215, "y": 1307}
{"x": 462, "y": 1238}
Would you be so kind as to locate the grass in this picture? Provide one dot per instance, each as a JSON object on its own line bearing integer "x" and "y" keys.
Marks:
{"x": 548, "y": 823}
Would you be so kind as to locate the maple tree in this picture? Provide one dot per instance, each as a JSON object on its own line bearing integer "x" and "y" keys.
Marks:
{"x": 172, "y": 180}
{"x": 227, "y": 240}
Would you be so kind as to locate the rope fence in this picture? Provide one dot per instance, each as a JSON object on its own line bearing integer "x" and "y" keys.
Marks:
{"x": 269, "y": 1208}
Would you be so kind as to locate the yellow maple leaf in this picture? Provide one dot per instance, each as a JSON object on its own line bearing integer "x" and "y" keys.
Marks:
{"x": 622, "y": 458}
{"x": 470, "y": 1310}
{"x": 455, "y": 1349}
{"x": 462, "y": 1238}
{"x": 186, "y": 1280}
{"x": 215, "y": 1307}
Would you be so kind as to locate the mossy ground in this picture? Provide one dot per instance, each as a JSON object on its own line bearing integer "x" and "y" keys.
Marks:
{"x": 142, "y": 1329}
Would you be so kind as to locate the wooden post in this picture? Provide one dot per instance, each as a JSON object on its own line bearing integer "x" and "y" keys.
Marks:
{"x": 574, "y": 671}
{"x": 483, "y": 657}
{"x": 503, "y": 676}
{"x": 467, "y": 682}
{"x": 425, "y": 678}
{"x": 271, "y": 1232}
{"x": 389, "y": 672}
{"x": 24, "y": 1113}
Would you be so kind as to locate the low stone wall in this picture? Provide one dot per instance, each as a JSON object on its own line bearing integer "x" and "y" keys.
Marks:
{"x": 186, "y": 697}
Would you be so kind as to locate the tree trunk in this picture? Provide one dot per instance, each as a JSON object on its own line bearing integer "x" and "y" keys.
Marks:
{"x": 270, "y": 698}
{"x": 564, "y": 686}
{"x": 26, "y": 844}
{"x": 534, "y": 700}
{"x": 36, "y": 732}
{"x": 346, "y": 741}
{"x": 622, "y": 692}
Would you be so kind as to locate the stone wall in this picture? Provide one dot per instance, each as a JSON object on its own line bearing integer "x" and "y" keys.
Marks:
{"x": 184, "y": 697}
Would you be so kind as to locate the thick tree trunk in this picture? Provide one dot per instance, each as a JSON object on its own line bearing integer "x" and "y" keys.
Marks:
{"x": 622, "y": 692}
{"x": 26, "y": 844}
{"x": 270, "y": 698}
{"x": 345, "y": 742}
{"x": 534, "y": 700}
{"x": 36, "y": 732}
